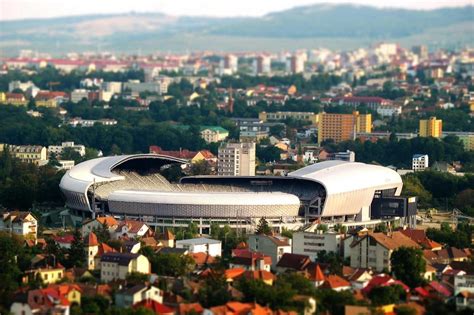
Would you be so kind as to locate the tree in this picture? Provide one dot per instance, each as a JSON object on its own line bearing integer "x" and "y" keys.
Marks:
{"x": 10, "y": 272}
{"x": 201, "y": 168}
{"x": 214, "y": 291}
{"x": 102, "y": 233}
{"x": 333, "y": 301}
{"x": 408, "y": 266}
{"x": 263, "y": 227}
{"x": 77, "y": 252}
{"x": 386, "y": 295}
{"x": 405, "y": 310}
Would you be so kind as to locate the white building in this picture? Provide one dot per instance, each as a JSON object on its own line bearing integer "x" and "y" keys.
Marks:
{"x": 201, "y": 245}
{"x": 24, "y": 86}
{"x": 419, "y": 162}
{"x": 128, "y": 297}
{"x": 271, "y": 246}
{"x": 58, "y": 149}
{"x": 312, "y": 243}
{"x": 78, "y": 95}
{"x": 464, "y": 282}
{"x": 261, "y": 65}
{"x": 138, "y": 87}
{"x": 112, "y": 87}
{"x": 115, "y": 266}
{"x": 295, "y": 64}
{"x": 236, "y": 159}
{"x": 19, "y": 223}
{"x": 389, "y": 110}
{"x": 65, "y": 165}
{"x": 228, "y": 65}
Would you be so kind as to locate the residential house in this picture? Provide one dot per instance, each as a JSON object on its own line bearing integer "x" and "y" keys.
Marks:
{"x": 115, "y": 266}
{"x": 40, "y": 301}
{"x": 201, "y": 245}
{"x": 273, "y": 246}
{"x": 49, "y": 275}
{"x": 374, "y": 250}
{"x": 336, "y": 283}
{"x": 131, "y": 229}
{"x": 128, "y": 297}
{"x": 16, "y": 99}
{"x": 464, "y": 299}
{"x": 20, "y": 223}
{"x": 50, "y": 99}
{"x": 293, "y": 262}
{"x": 243, "y": 258}
{"x": 167, "y": 238}
{"x": 212, "y": 134}
{"x": 95, "y": 224}
{"x": 30, "y": 153}
{"x": 155, "y": 307}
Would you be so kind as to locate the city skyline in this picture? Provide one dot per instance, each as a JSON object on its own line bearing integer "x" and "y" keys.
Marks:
{"x": 28, "y": 9}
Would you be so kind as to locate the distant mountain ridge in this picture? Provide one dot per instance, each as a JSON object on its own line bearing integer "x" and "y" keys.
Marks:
{"x": 333, "y": 25}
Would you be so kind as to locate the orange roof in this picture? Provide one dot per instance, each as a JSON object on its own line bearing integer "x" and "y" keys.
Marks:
{"x": 334, "y": 282}
{"x": 319, "y": 276}
{"x": 92, "y": 239}
{"x": 202, "y": 258}
{"x": 393, "y": 241}
{"x": 259, "y": 275}
{"x": 110, "y": 221}
{"x": 234, "y": 273}
{"x": 191, "y": 307}
{"x": 207, "y": 154}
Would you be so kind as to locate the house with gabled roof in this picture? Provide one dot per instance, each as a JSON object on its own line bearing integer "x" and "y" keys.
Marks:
{"x": 273, "y": 246}
{"x": 114, "y": 266}
{"x": 374, "y": 250}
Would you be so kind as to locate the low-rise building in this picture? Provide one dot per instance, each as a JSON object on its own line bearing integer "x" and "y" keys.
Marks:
{"x": 29, "y": 153}
{"x": 374, "y": 250}
{"x": 212, "y": 134}
{"x": 279, "y": 116}
{"x": 20, "y": 223}
{"x": 115, "y": 266}
{"x": 48, "y": 275}
{"x": 129, "y": 296}
{"x": 131, "y": 229}
{"x": 271, "y": 246}
{"x": 201, "y": 245}
{"x": 313, "y": 243}
{"x": 419, "y": 162}
{"x": 58, "y": 149}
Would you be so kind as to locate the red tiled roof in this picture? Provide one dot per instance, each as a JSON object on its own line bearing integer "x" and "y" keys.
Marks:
{"x": 191, "y": 307}
{"x": 155, "y": 306}
{"x": 92, "y": 239}
{"x": 441, "y": 289}
{"x": 294, "y": 261}
{"x": 259, "y": 275}
{"x": 181, "y": 154}
{"x": 202, "y": 258}
{"x": 335, "y": 282}
{"x": 65, "y": 239}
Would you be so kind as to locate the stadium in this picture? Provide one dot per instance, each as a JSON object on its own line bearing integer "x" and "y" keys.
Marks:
{"x": 133, "y": 186}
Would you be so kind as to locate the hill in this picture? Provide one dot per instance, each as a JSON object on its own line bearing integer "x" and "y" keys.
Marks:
{"x": 333, "y": 26}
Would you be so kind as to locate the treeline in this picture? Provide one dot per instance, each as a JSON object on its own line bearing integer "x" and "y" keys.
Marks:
{"x": 22, "y": 185}
{"x": 441, "y": 190}
{"x": 322, "y": 82}
{"x": 399, "y": 153}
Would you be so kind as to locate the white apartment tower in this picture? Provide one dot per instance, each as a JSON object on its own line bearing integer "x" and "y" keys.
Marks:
{"x": 419, "y": 162}
{"x": 237, "y": 159}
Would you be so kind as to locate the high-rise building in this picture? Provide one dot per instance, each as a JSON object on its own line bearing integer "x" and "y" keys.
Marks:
{"x": 261, "y": 65}
{"x": 431, "y": 127}
{"x": 363, "y": 122}
{"x": 236, "y": 159}
{"x": 228, "y": 65}
{"x": 295, "y": 64}
{"x": 342, "y": 127}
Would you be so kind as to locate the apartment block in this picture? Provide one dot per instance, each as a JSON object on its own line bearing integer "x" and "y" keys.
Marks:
{"x": 236, "y": 159}
{"x": 342, "y": 127}
{"x": 431, "y": 127}
{"x": 419, "y": 162}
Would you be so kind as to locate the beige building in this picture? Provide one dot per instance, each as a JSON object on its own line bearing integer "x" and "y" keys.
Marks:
{"x": 312, "y": 243}
{"x": 115, "y": 266}
{"x": 278, "y": 116}
{"x": 374, "y": 250}
{"x": 271, "y": 246}
{"x": 47, "y": 275}
{"x": 20, "y": 223}
{"x": 212, "y": 134}
{"x": 236, "y": 159}
{"x": 431, "y": 127}
{"x": 28, "y": 153}
{"x": 128, "y": 297}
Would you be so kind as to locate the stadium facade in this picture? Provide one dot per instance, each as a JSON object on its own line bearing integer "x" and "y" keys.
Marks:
{"x": 133, "y": 186}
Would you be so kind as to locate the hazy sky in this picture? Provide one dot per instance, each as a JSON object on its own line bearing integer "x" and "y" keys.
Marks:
{"x": 20, "y": 9}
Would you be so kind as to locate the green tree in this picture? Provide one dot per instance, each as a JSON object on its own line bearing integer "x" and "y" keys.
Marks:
{"x": 408, "y": 266}
{"x": 77, "y": 252}
{"x": 214, "y": 291}
{"x": 386, "y": 295}
{"x": 263, "y": 227}
{"x": 102, "y": 233}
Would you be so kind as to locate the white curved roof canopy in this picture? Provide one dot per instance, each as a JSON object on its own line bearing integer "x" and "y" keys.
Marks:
{"x": 350, "y": 186}
{"x": 76, "y": 182}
